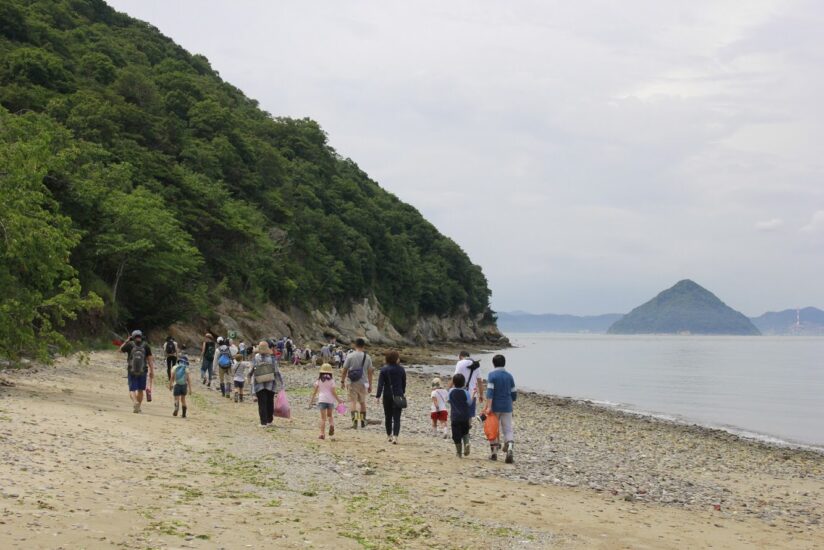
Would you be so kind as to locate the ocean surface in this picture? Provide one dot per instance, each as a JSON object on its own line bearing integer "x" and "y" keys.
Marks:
{"x": 770, "y": 388}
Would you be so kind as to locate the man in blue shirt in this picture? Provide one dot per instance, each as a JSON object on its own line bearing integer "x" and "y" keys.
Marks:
{"x": 500, "y": 394}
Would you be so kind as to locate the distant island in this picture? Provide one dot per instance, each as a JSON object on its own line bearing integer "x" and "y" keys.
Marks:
{"x": 808, "y": 321}
{"x": 687, "y": 307}
{"x": 519, "y": 321}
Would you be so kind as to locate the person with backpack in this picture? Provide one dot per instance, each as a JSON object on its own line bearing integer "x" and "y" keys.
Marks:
{"x": 462, "y": 405}
{"x": 357, "y": 373}
{"x": 266, "y": 382}
{"x": 139, "y": 367}
{"x": 471, "y": 371}
{"x": 392, "y": 386}
{"x": 224, "y": 365}
{"x": 170, "y": 348}
{"x": 290, "y": 348}
{"x": 207, "y": 357}
{"x": 181, "y": 384}
{"x": 501, "y": 394}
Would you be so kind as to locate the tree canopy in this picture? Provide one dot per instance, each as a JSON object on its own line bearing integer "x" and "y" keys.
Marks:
{"x": 162, "y": 185}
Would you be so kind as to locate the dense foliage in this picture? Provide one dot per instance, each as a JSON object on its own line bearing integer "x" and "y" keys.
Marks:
{"x": 173, "y": 187}
{"x": 686, "y": 307}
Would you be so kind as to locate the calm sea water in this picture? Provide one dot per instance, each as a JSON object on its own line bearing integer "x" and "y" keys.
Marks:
{"x": 766, "y": 387}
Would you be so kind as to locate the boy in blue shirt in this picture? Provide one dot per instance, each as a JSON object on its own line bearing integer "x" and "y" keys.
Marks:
{"x": 500, "y": 394}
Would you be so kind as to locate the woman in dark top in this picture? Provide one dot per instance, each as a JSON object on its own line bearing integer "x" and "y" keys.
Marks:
{"x": 392, "y": 382}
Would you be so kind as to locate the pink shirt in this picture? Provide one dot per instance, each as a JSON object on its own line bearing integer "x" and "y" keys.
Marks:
{"x": 325, "y": 391}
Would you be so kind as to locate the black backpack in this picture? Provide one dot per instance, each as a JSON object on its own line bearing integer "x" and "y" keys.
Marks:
{"x": 472, "y": 368}
{"x": 137, "y": 360}
{"x": 170, "y": 347}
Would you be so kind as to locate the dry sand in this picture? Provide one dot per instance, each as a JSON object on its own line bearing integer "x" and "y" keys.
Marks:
{"x": 79, "y": 470}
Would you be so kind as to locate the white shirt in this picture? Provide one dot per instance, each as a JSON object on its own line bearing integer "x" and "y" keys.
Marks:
{"x": 440, "y": 395}
{"x": 462, "y": 367}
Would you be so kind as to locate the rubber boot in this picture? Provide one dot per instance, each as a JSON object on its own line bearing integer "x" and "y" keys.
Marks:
{"x": 363, "y": 420}
{"x": 466, "y": 444}
{"x": 184, "y": 412}
{"x": 493, "y": 451}
{"x": 509, "y": 452}
{"x": 354, "y": 420}
{"x": 459, "y": 449}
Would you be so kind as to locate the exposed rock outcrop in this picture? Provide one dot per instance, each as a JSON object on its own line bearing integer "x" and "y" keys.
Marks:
{"x": 364, "y": 319}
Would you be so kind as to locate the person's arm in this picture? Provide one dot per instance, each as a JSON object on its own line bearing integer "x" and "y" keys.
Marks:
{"x": 370, "y": 372}
{"x": 150, "y": 360}
{"x": 126, "y": 346}
{"x": 191, "y": 388}
{"x": 380, "y": 385}
{"x": 479, "y": 388}
{"x": 344, "y": 373}
{"x": 435, "y": 403}
{"x": 403, "y": 381}
{"x": 335, "y": 395}
{"x": 490, "y": 391}
{"x": 172, "y": 377}
{"x": 203, "y": 349}
{"x": 314, "y": 393}
{"x": 513, "y": 392}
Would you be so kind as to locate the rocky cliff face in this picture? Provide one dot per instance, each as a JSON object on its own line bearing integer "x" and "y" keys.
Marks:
{"x": 363, "y": 319}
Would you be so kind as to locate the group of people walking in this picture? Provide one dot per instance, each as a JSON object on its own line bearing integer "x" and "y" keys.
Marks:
{"x": 456, "y": 406}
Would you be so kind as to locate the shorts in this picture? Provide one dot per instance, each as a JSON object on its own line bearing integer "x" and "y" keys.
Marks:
{"x": 180, "y": 389}
{"x": 443, "y": 416}
{"x": 357, "y": 392}
{"x": 326, "y": 406}
{"x": 137, "y": 383}
{"x": 238, "y": 384}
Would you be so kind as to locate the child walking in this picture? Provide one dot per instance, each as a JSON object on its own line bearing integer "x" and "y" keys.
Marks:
{"x": 180, "y": 383}
{"x": 324, "y": 390}
{"x": 461, "y": 404}
{"x": 439, "y": 414}
{"x": 500, "y": 395}
{"x": 239, "y": 374}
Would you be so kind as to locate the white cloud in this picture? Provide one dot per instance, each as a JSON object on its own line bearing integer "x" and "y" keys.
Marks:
{"x": 770, "y": 225}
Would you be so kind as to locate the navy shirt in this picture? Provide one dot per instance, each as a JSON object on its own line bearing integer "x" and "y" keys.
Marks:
{"x": 461, "y": 405}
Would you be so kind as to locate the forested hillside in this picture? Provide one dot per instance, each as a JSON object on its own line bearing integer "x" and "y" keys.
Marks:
{"x": 159, "y": 187}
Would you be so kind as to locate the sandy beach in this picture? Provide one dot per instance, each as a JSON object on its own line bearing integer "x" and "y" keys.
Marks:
{"x": 79, "y": 470}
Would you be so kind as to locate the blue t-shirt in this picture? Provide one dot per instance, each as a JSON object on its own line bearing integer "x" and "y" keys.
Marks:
{"x": 500, "y": 389}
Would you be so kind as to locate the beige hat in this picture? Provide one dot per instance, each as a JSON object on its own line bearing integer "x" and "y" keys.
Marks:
{"x": 326, "y": 368}
{"x": 436, "y": 382}
{"x": 263, "y": 349}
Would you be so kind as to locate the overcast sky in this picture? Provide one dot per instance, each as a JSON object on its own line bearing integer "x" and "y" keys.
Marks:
{"x": 586, "y": 154}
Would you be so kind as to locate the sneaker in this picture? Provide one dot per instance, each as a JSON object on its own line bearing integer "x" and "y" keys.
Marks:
{"x": 390, "y": 439}
{"x": 509, "y": 453}
{"x": 331, "y": 431}
{"x": 175, "y": 411}
{"x": 395, "y": 440}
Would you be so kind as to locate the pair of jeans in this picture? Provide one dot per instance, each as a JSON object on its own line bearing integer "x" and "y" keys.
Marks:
{"x": 206, "y": 367}
{"x": 460, "y": 431}
{"x": 392, "y": 414}
{"x": 266, "y": 406}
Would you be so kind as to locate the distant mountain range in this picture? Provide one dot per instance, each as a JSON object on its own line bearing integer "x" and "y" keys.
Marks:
{"x": 518, "y": 321}
{"x": 687, "y": 308}
{"x": 808, "y": 321}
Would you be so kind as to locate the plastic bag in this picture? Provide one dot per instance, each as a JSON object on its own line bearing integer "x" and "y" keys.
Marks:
{"x": 341, "y": 408}
{"x": 491, "y": 427}
{"x": 282, "y": 409}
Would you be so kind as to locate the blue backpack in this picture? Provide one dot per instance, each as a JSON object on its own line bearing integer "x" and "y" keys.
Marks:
{"x": 224, "y": 360}
{"x": 180, "y": 374}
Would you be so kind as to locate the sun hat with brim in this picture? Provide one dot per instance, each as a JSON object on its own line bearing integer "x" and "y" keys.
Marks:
{"x": 326, "y": 368}
{"x": 436, "y": 382}
{"x": 263, "y": 348}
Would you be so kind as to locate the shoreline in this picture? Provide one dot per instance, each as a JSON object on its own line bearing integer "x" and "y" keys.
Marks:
{"x": 744, "y": 434}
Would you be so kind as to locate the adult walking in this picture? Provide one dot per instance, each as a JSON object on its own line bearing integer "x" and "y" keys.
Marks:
{"x": 207, "y": 358}
{"x": 357, "y": 377}
{"x": 139, "y": 365}
{"x": 266, "y": 383}
{"x": 471, "y": 371}
{"x": 171, "y": 349}
{"x": 392, "y": 386}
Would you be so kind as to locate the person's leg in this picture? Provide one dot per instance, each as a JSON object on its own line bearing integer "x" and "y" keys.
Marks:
{"x": 270, "y": 405}
{"x": 457, "y": 438}
{"x": 362, "y": 405}
{"x": 396, "y": 415}
{"x": 331, "y": 421}
{"x": 262, "y": 410}
{"x": 465, "y": 438}
{"x": 169, "y": 363}
{"x": 507, "y": 430}
{"x": 322, "y": 423}
{"x": 177, "y": 405}
{"x": 183, "y": 402}
{"x": 388, "y": 407}
{"x": 353, "y": 407}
